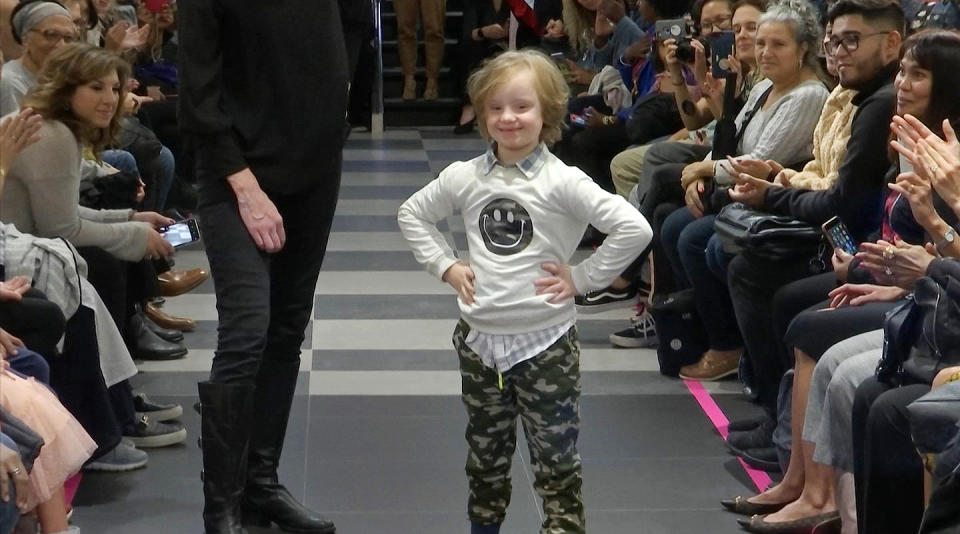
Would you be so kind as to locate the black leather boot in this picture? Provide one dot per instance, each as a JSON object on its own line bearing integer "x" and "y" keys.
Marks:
{"x": 265, "y": 500}
{"x": 225, "y": 418}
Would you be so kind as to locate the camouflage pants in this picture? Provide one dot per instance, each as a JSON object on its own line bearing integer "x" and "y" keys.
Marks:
{"x": 544, "y": 392}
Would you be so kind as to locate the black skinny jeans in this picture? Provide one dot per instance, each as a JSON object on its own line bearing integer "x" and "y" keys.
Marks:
{"x": 264, "y": 300}
{"x": 887, "y": 469}
{"x": 754, "y": 285}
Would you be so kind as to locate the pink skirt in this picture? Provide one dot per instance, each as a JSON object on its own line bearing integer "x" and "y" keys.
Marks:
{"x": 66, "y": 445}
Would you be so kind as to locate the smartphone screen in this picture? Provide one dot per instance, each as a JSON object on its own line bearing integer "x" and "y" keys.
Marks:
{"x": 182, "y": 233}
{"x": 838, "y": 236}
{"x": 721, "y": 47}
{"x": 670, "y": 29}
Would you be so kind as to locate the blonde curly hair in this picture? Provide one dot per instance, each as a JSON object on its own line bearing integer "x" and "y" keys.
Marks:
{"x": 549, "y": 84}
{"x": 66, "y": 69}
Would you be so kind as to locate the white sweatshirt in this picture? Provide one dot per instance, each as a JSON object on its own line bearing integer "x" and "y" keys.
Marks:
{"x": 517, "y": 218}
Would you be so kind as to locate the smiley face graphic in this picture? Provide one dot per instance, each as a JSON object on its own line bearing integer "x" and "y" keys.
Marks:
{"x": 505, "y": 227}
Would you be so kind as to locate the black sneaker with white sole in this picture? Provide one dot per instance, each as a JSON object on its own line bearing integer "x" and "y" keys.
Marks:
{"x": 640, "y": 334}
{"x": 606, "y": 299}
{"x": 147, "y": 433}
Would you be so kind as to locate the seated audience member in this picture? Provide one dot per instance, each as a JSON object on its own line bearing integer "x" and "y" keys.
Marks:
{"x": 656, "y": 168}
{"x": 912, "y": 212}
{"x": 13, "y": 484}
{"x": 594, "y": 38}
{"x": 869, "y": 33}
{"x": 65, "y": 448}
{"x": 653, "y": 115}
{"x": 776, "y": 123}
{"x": 930, "y": 14}
{"x": 77, "y": 95}
{"x": 41, "y": 26}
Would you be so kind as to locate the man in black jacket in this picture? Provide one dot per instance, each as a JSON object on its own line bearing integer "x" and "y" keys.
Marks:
{"x": 866, "y": 37}
{"x": 263, "y": 99}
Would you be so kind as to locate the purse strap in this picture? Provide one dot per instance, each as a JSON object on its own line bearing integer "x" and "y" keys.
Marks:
{"x": 752, "y": 112}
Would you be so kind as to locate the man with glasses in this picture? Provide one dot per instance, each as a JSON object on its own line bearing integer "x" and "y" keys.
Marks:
{"x": 865, "y": 41}
{"x": 41, "y": 27}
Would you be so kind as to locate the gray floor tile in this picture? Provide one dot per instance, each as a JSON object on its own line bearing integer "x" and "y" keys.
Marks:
{"x": 378, "y": 144}
{"x": 385, "y": 360}
{"x": 662, "y": 522}
{"x": 205, "y": 336}
{"x": 382, "y": 166}
{"x": 385, "y": 307}
{"x": 384, "y": 154}
{"x": 395, "y": 260}
{"x": 384, "y": 191}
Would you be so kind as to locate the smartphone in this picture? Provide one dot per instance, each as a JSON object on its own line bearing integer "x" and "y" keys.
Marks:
{"x": 721, "y": 48}
{"x": 838, "y": 236}
{"x": 577, "y": 119}
{"x": 181, "y": 233}
{"x": 670, "y": 29}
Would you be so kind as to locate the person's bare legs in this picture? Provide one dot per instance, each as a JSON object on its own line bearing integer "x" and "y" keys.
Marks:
{"x": 791, "y": 487}
{"x": 52, "y": 513}
{"x": 817, "y": 496}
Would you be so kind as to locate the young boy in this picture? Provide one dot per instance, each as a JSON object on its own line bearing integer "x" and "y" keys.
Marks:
{"x": 524, "y": 211}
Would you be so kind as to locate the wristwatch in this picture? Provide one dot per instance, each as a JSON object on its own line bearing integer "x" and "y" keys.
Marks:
{"x": 948, "y": 237}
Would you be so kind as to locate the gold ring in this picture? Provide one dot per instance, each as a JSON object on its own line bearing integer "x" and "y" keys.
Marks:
{"x": 888, "y": 252}
{"x": 16, "y": 471}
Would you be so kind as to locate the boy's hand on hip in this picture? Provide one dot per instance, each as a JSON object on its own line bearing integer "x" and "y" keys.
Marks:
{"x": 258, "y": 212}
{"x": 560, "y": 282}
{"x": 460, "y": 277}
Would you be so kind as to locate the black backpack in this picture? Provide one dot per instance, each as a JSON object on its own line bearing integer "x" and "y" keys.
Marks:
{"x": 681, "y": 337}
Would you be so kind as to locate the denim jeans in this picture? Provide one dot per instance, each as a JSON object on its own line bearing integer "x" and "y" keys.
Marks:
{"x": 159, "y": 174}
{"x": 264, "y": 300}
{"x": 9, "y": 514}
{"x": 32, "y": 364}
{"x": 686, "y": 240}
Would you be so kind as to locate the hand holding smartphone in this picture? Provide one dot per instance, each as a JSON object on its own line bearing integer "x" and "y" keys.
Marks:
{"x": 838, "y": 236}
{"x": 181, "y": 233}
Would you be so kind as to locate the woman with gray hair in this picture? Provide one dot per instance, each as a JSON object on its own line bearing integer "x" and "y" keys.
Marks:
{"x": 776, "y": 123}
{"x": 41, "y": 26}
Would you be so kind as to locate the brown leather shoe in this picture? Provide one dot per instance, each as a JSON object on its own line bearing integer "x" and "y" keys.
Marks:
{"x": 168, "y": 321}
{"x": 173, "y": 283}
{"x": 712, "y": 366}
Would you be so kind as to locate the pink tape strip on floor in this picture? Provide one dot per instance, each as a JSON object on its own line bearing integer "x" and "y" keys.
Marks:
{"x": 713, "y": 412}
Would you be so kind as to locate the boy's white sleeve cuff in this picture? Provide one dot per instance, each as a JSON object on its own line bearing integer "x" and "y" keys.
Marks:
{"x": 440, "y": 265}
{"x": 581, "y": 282}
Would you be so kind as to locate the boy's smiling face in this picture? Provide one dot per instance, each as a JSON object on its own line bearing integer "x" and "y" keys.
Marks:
{"x": 514, "y": 118}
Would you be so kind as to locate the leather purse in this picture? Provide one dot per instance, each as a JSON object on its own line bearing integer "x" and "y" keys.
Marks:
{"x": 934, "y": 417}
{"x": 922, "y": 336}
{"x": 28, "y": 442}
{"x": 742, "y": 230}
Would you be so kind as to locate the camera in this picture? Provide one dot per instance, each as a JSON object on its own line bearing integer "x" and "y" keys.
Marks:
{"x": 685, "y": 50}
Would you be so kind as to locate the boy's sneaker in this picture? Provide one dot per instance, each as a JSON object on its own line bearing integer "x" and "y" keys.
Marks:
{"x": 148, "y": 433}
{"x": 642, "y": 333}
{"x": 157, "y": 411}
{"x": 604, "y": 299}
{"x": 123, "y": 457}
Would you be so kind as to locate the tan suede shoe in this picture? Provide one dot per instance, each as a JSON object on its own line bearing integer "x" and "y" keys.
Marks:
{"x": 712, "y": 366}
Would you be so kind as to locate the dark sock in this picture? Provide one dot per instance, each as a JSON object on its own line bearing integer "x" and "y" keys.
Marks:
{"x": 484, "y": 529}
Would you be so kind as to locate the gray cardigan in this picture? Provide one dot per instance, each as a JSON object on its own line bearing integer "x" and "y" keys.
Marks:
{"x": 42, "y": 197}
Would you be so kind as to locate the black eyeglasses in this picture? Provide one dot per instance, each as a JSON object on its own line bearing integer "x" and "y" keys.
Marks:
{"x": 53, "y": 36}
{"x": 850, "y": 42}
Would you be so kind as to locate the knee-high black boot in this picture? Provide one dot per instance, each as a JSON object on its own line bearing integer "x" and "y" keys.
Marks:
{"x": 225, "y": 419}
{"x": 265, "y": 500}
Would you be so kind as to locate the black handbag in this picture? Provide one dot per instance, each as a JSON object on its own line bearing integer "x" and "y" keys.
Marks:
{"x": 28, "y": 442}
{"x": 922, "y": 336}
{"x": 742, "y": 230}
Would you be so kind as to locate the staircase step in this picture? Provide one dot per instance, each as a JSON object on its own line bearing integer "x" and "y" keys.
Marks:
{"x": 440, "y": 112}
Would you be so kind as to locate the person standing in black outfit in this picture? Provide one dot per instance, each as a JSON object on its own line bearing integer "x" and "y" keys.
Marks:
{"x": 867, "y": 35}
{"x": 263, "y": 99}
